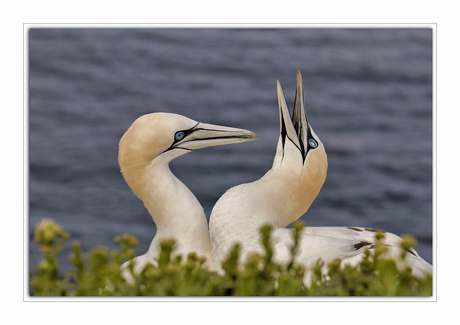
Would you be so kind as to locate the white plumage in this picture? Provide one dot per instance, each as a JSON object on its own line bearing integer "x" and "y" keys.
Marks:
{"x": 283, "y": 195}
{"x": 145, "y": 151}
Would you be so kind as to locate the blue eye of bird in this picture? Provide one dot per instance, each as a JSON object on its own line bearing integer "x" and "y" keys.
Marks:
{"x": 312, "y": 143}
{"x": 179, "y": 136}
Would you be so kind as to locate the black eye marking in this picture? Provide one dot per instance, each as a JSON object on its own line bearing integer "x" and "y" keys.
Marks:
{"x": 179, "y": 135}
{"x": 312, "y": 143}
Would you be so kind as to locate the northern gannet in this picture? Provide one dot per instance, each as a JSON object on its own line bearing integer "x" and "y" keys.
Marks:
{"x": 145, "y": 151}
{"x": 283, "y": 195}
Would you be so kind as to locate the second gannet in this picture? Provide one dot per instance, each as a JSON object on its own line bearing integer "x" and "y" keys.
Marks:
{"x": 145, "y": 151}
{"x": 283, "y": 195}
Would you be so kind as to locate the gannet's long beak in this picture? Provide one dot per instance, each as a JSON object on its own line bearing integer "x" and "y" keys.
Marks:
{"x": 287, "y": 129}
{"x": 295, "y": 129}
{"x": 299, "y": 117}
{"x": 208, "y": 135}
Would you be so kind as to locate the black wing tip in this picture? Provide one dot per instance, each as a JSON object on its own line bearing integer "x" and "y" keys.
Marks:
{"x": 362, "y": 244}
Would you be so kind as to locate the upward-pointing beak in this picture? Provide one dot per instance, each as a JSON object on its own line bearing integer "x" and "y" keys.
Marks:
{"x": 299, "y": 117}
{"x": 208, "y": 135}
{"x": 294, "y": 129}
{"x": 286, "y": 127}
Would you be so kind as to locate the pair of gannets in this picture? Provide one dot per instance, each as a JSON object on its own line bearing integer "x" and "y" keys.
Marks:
{"x": 279, "y": 198}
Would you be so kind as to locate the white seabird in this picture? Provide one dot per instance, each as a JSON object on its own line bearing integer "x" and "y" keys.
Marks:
{"x": 283, "y": 195}
{"x": 145, "y": 151}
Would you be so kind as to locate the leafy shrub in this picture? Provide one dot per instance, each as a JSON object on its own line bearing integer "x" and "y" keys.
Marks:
{"x": 97, "y": 273}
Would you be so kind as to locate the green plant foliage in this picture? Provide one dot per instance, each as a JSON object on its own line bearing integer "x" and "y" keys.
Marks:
{"x": 97, "y": 273}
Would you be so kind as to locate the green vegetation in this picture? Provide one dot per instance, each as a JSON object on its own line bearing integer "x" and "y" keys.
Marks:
{"x": 97, "y": 273}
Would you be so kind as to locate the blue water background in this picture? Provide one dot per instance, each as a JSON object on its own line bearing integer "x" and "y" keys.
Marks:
{"x": 368, "y": 96}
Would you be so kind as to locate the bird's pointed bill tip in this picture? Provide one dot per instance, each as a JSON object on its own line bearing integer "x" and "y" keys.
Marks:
{"x": 298, "y": 74}
{"x": 247, "y": 135}
{"x": 279, "y": 88}
{"x": 252, "y": 136}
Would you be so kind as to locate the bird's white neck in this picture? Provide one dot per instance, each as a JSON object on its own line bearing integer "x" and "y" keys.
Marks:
{"x": 175, "y": 210}
{"x": 278, "y": 199}
{"x": 274, "y": 199}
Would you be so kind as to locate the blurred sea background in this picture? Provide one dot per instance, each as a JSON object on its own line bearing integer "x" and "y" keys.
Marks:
{"x": 368, "y": 96}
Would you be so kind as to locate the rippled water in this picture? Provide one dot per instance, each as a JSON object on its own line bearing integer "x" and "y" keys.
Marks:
{"x": 368, "y": 96}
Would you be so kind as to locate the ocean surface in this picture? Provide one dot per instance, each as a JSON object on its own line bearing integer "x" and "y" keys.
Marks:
{"x": 368, "y": 93}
